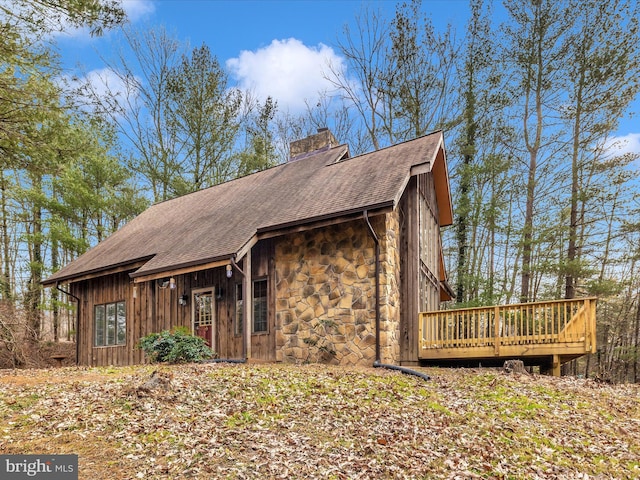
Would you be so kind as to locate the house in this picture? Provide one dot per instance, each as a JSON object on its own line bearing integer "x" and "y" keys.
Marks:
{"x": 326, "y": 258}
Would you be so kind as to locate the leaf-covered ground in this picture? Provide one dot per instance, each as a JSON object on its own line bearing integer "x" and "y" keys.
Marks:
{"x": 313, "y": 421}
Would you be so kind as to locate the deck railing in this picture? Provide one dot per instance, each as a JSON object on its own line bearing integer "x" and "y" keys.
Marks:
{"x": 494, "y": 328}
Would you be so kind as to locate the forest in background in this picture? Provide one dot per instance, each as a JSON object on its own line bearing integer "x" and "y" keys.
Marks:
{"x": 546, "y": 205}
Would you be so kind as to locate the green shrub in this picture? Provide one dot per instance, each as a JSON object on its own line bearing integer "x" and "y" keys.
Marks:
{"x": 178, "y": 346}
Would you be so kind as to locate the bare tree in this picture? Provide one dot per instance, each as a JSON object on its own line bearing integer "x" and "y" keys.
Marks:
{"x": 604, "y": 77}
{"x": 359, "y": 81}
{"x": 535, "y": 53}
{"x": 139, "y": 103}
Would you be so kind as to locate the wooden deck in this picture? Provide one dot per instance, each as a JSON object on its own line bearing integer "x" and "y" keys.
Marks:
{"x": 540, "y": 333}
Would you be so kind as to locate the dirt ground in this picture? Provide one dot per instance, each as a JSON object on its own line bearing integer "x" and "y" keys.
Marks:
{"x": 41, "y": 355}
{"x": 319, "y": 421}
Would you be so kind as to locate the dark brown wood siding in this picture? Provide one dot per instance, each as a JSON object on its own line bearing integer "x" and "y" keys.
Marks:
{"x": 153, "y": 309}
{"x": 409, "y": 278}
{"x": 263, "y": 345}
{"x": 226, "y": 343}
{"x": 419, "y": 261}
{"x": 110, "y": 288}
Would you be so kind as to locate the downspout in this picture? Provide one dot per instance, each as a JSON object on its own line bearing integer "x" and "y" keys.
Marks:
{"x": 77, "y": 319}
{"x": 378, "y": 363}
{"x": 376, "y": 240}
{"x": 232, "y": 260}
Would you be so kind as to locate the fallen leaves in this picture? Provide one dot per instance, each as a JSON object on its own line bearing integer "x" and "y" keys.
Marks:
{"x": 279, "y": 421}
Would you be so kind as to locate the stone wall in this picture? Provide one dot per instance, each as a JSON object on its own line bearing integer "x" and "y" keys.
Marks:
{"x": 390, "y": 288}
{"x": 325, "y": 294}
{"x": 324, "y": 138}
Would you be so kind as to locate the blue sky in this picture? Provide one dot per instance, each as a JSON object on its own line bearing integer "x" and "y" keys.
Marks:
{"x": 278, "y": 48}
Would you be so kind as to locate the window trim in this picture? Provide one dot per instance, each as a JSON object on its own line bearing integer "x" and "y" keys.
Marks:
{"x": 196, "y": 292}
{"x": 119, "y": 330}
{"x": 266, "y": 306}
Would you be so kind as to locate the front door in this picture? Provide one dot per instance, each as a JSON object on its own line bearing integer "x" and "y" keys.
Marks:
{"x": 203, "y": 314}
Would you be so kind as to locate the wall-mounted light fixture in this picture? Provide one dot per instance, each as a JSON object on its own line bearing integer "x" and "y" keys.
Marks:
{"x": 229, "y": 271}
{"x": 183, "y": 299}
{"x": 172, "y": 283}
{"x": 135, "y": 291}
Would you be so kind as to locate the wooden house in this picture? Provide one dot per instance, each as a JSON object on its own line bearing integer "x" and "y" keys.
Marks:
{"x": 325, "y": 258}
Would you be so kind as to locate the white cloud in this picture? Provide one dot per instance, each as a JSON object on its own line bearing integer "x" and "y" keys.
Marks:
{"x": 135, "y": 10}
{"x": 286, "y": 70}
{"x": 626, "y": 144}
{"x": 113, "y": 91}
{"x": 105, "y": 82}
{"x": 138, "y": 9}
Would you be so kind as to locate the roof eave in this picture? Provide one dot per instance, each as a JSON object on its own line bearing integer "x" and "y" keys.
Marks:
{"x": 320, "y": 218}
{"x": 167, "y": 270}
{"x": 97, "y": 272}
{"x": 443, "y": 190}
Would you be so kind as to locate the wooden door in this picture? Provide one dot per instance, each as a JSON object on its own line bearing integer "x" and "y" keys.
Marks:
{"x": 203, "y": 315}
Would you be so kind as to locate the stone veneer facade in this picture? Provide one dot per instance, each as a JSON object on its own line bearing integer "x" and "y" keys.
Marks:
{"x": 325, "y": 293}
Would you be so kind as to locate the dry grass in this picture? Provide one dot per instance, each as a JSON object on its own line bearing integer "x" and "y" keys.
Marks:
{"x": 277, "y": 421}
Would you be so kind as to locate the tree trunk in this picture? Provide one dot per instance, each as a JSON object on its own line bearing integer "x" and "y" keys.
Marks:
{"x": 33, "y": 296}
{"x": 570, "y": 284}
{"x": 6, "y": 274}
{"x": 55, "y": 307}
{"x": 636, "y": 354}
{"x": 527, "y": 235}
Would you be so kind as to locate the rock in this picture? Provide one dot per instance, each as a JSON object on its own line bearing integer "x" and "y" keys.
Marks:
{"x": 514, "y": 366}
{"x": 158, "y": 380}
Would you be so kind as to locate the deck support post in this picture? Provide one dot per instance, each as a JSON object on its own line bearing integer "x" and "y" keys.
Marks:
{"x": 555, "y": 366}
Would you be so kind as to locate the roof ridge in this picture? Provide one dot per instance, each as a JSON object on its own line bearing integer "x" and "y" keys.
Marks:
{"x": 391, "y": 146}
{"x": 272, "y": 167}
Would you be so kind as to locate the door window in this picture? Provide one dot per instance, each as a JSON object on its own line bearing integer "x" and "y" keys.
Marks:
{"x": 204, "y": 315}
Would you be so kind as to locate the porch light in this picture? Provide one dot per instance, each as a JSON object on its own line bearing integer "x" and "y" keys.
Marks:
{"x": 172, "y": 283}
{"x": 229, "y": 271}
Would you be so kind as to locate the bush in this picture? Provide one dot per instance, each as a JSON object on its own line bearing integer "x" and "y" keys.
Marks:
{"x": 178, "y": 346}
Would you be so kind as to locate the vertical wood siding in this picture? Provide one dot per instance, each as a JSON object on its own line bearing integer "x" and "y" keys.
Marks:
{"x": 107, "y": 289}
{"x": 409, "y": 278}
{"x": 263, "y": 345}
{"x": 419, "y": 264}
{"x": 155, "y": 309}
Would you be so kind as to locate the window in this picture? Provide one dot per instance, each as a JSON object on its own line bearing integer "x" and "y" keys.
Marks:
{"x": 203, "y": 308}
{"x": 260, "y": 306}
{"x": 110, "y": 321}
{"x": 203, "y": 312}
{"x": 239, "y": 310}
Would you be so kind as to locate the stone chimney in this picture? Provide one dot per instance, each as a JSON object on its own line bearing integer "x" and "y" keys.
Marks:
{"x": 324, "y": 139}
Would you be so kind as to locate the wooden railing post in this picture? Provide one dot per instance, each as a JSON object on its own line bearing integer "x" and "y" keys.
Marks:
{"x": 538, "y": 329}
{"x": 496, "y": 330}
{"x": 420, "y": 331}
{"x": 590, "y": 325}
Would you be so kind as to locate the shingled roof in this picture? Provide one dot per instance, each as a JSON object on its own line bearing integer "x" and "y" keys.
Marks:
{"x": 218, "y": 222}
